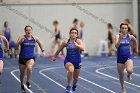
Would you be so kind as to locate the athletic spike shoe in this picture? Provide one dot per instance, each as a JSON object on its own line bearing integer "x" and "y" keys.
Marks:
{"x": 68, "y": 89}
{"x": 73, "y": 87}
{"x": 22, "y": 89}
{"x": 28, "y": 85}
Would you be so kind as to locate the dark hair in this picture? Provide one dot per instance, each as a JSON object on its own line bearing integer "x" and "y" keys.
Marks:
{"x": 109, "y": 25}
{"x": 27, "y": 26}
{"x": 55, "y": 22}
{"x": 123, "y": 24}
{"x": 73, "y": 29}
{"x": 5, "y": 23}
{"x": 75, "y": 20}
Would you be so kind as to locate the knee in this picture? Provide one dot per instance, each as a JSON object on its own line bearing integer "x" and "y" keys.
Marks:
{"x": 1, "y": 71}
{"x": 29, "y": 69}
{"x": 75, "y": 78}
{"x": 129, "y": 71}
{"x": 121, "y": 76}
{"x": 71, "y": 71}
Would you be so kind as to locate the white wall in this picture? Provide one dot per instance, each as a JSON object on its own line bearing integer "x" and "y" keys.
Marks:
{"x": 95, "y": 28}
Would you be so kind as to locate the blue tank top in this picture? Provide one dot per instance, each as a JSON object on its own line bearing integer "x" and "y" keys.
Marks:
{"x": 1, "y": 50}
{"x": 73, "y": 52}
{"x": 27, "y": 48}
{"x": 124, "y": 48}
{"x": 7, "y": 33}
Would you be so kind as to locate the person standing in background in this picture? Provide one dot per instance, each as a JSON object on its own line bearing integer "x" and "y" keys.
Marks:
{"x": 110, "y": 39}
{"x": 75, "y": 23}
{"x": 82, "y": 24}
{"x": 7, "y": 33}
{"x": 57, "y": 38}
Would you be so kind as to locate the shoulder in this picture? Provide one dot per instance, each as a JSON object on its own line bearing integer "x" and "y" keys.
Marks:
{"x": 58, "y": 27}
{"x": 2, "y": 37}
{"x": 36, "y": 38}
{"x": 64, "y": 42}
{"x": 131, "y": 36}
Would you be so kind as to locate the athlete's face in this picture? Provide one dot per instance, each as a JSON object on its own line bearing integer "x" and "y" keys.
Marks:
{"x": 124, "y": 29}
{"x": 28, "y": 30}
{"x": 73, "y": 34}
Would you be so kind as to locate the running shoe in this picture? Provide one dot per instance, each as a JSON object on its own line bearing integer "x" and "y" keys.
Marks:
{"x": 73, "y": 87}
{"x": 22, "y": 89}
{"x": 28, "y": 85}
{"x": 68, "y": 89}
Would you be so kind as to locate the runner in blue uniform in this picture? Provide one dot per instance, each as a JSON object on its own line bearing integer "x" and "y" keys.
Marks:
{"x": 72, "y": 60}
{"x": 3, "y": 38}
{"x": 27, "y": 56}
{"x": 124, "y": 57}
{"x": 7, "y": 34}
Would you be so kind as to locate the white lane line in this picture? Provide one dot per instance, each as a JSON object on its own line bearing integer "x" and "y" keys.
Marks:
{"x": 99, "y": 72}
{"x": 136, "y": 74}
{"x": 97, "y": 85}
{"x": 39, "y": 88}
{"x": 79, "y": 77}
{"x": 41, "y": 72}
{"x": 12, "y": 72}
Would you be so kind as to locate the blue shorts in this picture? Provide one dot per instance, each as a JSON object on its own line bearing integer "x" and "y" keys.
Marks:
{"x": 77, "y": 65}
{"x": 122, "y": 60}
{"x": 12, "y": 44}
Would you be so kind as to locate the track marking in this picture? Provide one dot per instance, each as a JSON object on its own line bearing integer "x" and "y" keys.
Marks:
{"x": 98, "y": 71}
{"x": 41, "y": 72}
{"x": 12, "y": 72}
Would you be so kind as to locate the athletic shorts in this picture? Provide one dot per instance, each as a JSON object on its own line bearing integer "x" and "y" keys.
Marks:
{"x": 23, "y": 61}
{"x": 77, "y": 65}
{"x": 122, "y": 60}
{"x": 12, "y": 44}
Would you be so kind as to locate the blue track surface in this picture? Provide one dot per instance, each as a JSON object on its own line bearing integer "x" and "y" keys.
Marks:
{"x": 98, "y": 75}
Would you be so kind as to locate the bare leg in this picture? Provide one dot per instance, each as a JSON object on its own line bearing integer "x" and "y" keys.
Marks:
{"x": 29, "y": 64}
{"x": 75, "y": 77}
{"x": 22, "y": 72}
{"x": 1, "y": 67}
{"x": 120, "y": 68}
{"x": 129, "y": 69}
{"x": 70, "y": 69}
